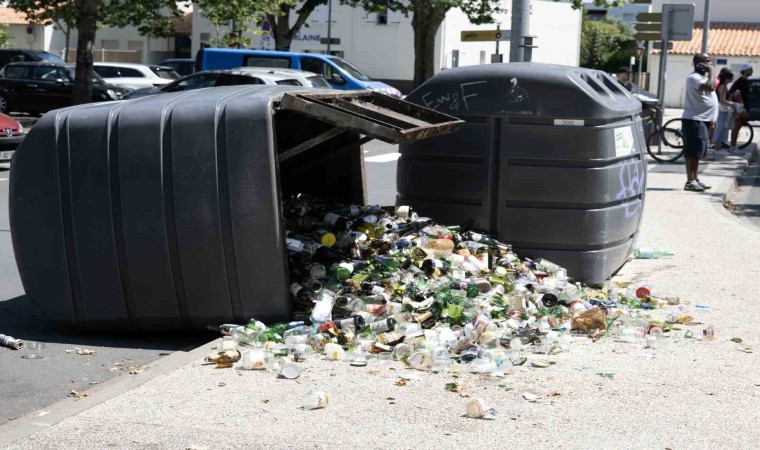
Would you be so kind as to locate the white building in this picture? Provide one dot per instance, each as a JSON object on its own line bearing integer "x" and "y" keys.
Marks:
{"x": 733, "y": 40}
{"x": 22, "y": 34}
{"x": 381, "y": 44}
{"x": 627, "y": 13}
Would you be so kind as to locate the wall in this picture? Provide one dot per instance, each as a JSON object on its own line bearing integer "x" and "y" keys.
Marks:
{"x": 153, "y": 50}
{"x": 720, "y": 10}
{"x": 680, "y": 66}
{"x": 19, "y": 37}
{"x": 556, "y": 25}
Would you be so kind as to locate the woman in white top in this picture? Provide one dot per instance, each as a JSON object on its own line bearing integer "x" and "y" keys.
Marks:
{"x": 726, "y": 109}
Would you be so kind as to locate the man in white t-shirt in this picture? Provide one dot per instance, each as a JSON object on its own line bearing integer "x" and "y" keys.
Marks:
{"x": 700, "y": 110}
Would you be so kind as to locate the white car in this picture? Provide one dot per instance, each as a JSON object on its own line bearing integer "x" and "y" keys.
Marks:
{"x": 135, "y": 76}
{"x": 308, "y": 79}
{"x": 234, "y": 77}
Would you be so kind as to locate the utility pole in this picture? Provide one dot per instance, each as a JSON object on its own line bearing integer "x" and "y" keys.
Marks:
{"x": 520, "y": 28}
{"x": 329, "y": 25}
{"x": 705, "y": 26}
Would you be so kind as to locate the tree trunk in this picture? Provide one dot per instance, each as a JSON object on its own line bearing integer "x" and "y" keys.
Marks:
{"x": 425, "y": 25}
{"x": 87, "y": 22}
{"x": 282, "y": 35}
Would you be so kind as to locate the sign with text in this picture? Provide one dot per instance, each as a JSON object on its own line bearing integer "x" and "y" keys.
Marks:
{"x": 485, "y": 35}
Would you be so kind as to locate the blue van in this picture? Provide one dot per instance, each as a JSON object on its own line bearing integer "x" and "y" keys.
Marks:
{"x": 337, "y": 71}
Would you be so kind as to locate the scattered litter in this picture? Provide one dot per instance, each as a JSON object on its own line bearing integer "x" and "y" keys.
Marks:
{"x": 77, "y": 394}
{"x": 400, "y": 382}
{"x": 134, "y": 370}
{"x": 452, "y": 387}
{"x": 553, "y": 394}
{"x": 11, "y": 342}
{"x": 539, "y": 364}
{"x": 315, "y": 400}
{"x": 222, "y": 384}
{"x": 530, "y": 397}
{"x": 477, "y": 409}
{"x": 737, "y": 340}
{"x": 606, "y": 375}
{"x": 84, "y": 351}
{"x": 744, "y": 349}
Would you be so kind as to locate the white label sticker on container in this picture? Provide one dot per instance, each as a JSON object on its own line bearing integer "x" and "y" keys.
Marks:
{"x": 569, "y": 122}
{"x": 624, "y": 143}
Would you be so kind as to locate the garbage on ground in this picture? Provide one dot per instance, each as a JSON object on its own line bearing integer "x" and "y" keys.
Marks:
{"x": 650, "y": 253}
{"x": 81, "y": 351}
{"x": 315, "y": 400}
{"x": 370, "y": 286}
{"x": 11, "y": 342}
{"x": 477, "y": 409}
{"x": 34, "y": 350}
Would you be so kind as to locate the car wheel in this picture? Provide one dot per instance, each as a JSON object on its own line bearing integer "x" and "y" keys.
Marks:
{"x": 5, "y": 105}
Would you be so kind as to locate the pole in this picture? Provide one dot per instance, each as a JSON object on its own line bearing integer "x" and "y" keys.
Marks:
{"x": 520, "y": 28}
{"x": 705, "y": 26}
{"x": 329, "y": 25}
{"x": 638, "y": 81}
{"x": 498, "y": 29}
{"x": 664, "y": 37}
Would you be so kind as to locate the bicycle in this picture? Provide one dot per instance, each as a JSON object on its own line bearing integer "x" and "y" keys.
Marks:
{"x": 664, "y": 144}
{"x": 746, "y": 132}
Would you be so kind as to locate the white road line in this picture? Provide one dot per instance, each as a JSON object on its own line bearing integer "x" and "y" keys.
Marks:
{"x": 387, "y": 157}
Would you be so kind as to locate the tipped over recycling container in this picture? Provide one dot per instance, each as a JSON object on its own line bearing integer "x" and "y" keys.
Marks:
{"x": 164, "y": 212}
{"x": 550, "y": 159}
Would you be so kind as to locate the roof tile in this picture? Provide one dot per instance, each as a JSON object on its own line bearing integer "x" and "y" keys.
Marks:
{"x": 725, "y": 39}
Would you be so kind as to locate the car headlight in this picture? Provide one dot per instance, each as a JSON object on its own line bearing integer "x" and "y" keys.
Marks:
{"x": 111, "y": 93}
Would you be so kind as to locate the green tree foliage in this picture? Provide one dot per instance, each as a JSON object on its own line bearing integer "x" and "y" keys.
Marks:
{"x": 239, "y": 16}
{"x": 150, "y": 17}
{"x": 606, "y": 44}
{"x": 4, "y": 36}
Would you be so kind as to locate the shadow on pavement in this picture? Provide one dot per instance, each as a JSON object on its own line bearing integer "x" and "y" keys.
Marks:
{"x": 22, "y": 319}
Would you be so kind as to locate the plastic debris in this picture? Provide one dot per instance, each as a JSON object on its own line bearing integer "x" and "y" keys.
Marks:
{"x": 650, "y": 253}
{"x": 477, "y": 409}
{"x": 315, "y": 400}
{"x": 11, "y": 342}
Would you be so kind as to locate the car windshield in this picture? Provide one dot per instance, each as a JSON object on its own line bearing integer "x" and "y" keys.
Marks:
{"x": 318, "y": 82}
{"x": 350, "y": 69}
{"x": 166, "y": 73}
{"x": 95, "y": 77}
{"x": 45, "y": 56}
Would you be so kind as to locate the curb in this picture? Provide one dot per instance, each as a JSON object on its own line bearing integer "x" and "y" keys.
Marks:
{"x": 42, "y": 419}
{"x": 736, "y": 195}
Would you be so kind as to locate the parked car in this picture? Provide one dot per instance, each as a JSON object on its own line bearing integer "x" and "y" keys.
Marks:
{"x": 135, "y": 76}
{"x": 233, "y": 77}
{"x": 8, "y": 55}
{"x": 183, "y": 66}
{"x": 38, "y": 87}
{"x": 340, "y": 73}
{"x": 11, "y": 135}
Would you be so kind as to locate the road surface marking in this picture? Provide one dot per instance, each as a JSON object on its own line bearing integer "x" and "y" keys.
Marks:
{"x": 388, "y": 157}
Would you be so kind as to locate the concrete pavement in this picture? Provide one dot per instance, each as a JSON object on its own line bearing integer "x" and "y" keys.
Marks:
{"x": 685, "y": 394}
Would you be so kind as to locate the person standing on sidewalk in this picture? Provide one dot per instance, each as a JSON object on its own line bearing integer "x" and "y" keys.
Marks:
{"x": 701, "y": 109}
{"x": 725, "y": 109}
{"x": 741, "y": 85}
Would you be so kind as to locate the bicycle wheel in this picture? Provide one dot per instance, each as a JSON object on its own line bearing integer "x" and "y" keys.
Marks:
{"x": 665, "y": 153}
{"x": 746, "y": 134}
{"x": 673, "y": 124}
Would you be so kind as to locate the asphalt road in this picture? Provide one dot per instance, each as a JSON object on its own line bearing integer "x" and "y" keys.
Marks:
{"x": 29, "y": 384}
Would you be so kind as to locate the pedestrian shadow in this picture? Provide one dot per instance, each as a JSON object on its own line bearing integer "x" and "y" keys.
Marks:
{"x": 21, "y": 318}
{"x": 746, "y": 210}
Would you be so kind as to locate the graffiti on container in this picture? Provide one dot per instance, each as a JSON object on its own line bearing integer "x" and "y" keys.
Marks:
{"x": 632, "y": 180}
{"x": 453, "y": 100}
{"x": 515, "y": 94}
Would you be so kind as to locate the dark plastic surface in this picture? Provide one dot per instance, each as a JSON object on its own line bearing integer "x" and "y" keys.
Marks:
{"x": 535, "y": 163}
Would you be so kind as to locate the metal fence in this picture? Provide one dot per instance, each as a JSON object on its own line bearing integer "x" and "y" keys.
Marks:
{"x": 104, "y": 55}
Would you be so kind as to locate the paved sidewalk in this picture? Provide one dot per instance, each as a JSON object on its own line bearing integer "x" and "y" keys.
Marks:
{"x": 684, "y": 395}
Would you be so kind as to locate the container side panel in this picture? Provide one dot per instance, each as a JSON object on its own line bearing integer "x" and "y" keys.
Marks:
{"x": 101, "y": 290}
{"x": 195, "y": 174}
{"x": 141, "y": 154}
{"x": 37, "y": 224}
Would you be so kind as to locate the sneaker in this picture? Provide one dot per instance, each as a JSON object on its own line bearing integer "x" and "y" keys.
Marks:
{"x": 693, "y": 186}
{"x": 704, "y": 186}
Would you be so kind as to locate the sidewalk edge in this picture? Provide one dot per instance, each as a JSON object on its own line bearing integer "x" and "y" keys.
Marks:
{"x": 44, "y": 418}
{"x": 735, "y": 194}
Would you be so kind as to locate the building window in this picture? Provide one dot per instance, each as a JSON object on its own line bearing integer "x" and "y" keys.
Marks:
{"x": 382, "y": 17}
{"x": 109, "y": 44}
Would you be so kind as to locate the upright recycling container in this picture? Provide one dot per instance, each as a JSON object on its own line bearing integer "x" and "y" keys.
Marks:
{"x": 163, "y": 212}
{"x": 550, "y": 159}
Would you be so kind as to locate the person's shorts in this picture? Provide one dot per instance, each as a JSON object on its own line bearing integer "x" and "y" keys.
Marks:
{"x": 694, "y": 137}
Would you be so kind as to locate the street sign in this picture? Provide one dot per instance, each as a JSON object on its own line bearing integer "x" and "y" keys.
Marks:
{"x": 649, "y": 17}
{"x": 647, "y": 27}
{"x": 658, "y": 45}
{"x": 639, "y": 52}
{"x": 331, "y": 41}
{"x": 680, "y": 21}
{"x": 485, "y": 35}
{"x": 647, "y": 36}
{"x": 642, "y": 2}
